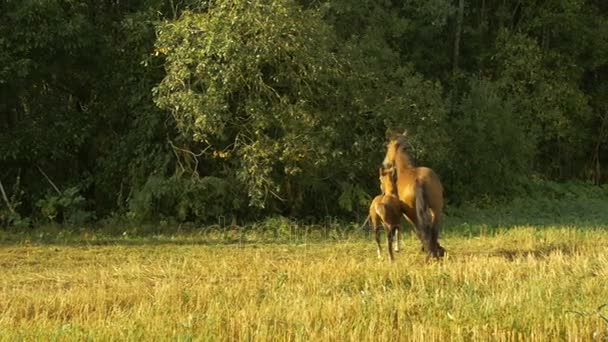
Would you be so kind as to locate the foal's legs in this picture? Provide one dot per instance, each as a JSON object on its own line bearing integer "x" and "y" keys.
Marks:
{"x": 375, "y": 229}
{"x": 396, "y": 244}
{"x": 377, "y": 238}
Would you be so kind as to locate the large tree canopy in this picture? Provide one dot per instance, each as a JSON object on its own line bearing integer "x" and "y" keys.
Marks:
{"x": 251, "y": 81}
{"x": 193, "y": 110}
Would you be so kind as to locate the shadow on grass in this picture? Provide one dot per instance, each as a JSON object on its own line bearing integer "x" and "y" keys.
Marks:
{"x": 203, "y": 237}
{"x": 472, "y": 230}
{"x": 246, "y": 238}
{"x": 540, "y": 252}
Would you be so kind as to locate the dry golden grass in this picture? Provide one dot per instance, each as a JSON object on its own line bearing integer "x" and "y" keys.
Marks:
{"x": 520, "y": 284}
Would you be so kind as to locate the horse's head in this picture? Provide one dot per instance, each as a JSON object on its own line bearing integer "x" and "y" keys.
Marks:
{"x": 397, "y": 152}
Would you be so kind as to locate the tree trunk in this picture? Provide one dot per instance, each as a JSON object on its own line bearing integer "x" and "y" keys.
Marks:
{"x": 458, "y": 35}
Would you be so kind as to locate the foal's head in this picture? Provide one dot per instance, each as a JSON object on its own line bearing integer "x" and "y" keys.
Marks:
{"x": 388, "y": 180}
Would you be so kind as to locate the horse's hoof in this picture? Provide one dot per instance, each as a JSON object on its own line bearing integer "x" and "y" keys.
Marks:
{"x": 438, "y": 255}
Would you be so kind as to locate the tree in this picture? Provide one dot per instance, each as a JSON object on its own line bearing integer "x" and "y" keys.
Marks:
{"x": 250, "y": 80}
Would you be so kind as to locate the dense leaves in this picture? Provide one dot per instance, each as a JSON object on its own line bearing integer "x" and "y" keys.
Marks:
{"x": 191, "y": 110}
{"x": 250, "y": 81}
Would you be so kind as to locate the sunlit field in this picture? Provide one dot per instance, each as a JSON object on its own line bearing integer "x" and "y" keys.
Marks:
{"x": 522, "y": 283}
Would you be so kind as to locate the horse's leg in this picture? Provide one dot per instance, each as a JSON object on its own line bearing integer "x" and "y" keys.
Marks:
{"x": 390, "y": 234}
{"x": 428, "y": 235}
{"x": 416, "y": 230}
{"x": 420, "y": 235}
{"x": 435, "y": 197}
{"x": 435, "y": 233}
{"x": 431, "y": 243}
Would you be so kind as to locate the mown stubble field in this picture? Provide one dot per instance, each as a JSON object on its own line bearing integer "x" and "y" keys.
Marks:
{"x": 522, "y": 283}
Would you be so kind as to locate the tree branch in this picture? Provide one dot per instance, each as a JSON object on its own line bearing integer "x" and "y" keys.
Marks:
{"x": 8, "y": 204}
{"x": 194, "y": 156}
{"x": 48, "y": 179}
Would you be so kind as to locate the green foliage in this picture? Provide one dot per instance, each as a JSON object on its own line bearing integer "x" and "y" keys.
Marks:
{"x": 539, "y": 202}
{"x": 9, "y": 212}
{"x": 489, "y": 144}
{"x": 281, "y": 227}
{"x": 183, "y": 199}
{"x": 353, "y": 197}
{"x": 252, "y": 77}
{"x": 68, "y": 207}
{"x": 189, "y": 110}
{"x": 42, "y": 78}
{"x": 64, "y": 101}
{"x": 13, "y": 219}
{"x": 552, "y": 109}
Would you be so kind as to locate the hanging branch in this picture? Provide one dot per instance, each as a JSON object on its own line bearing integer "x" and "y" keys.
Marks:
{"x": 459, "y": 20}
{"x": 194, "y": 156}
{"x": 48, "y": 179}
{"x": 595, "y": 160}
{"x": 8, "y": 204}
{"x": 456, "y": 56}
{"x": 173, "y": 149}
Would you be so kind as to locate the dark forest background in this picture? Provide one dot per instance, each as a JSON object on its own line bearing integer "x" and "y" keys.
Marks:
{"x": 191, "y": 110}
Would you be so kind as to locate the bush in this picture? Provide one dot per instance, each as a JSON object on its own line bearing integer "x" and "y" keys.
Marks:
{"x": 68, "y": 207}
{"x": 491, "y": 154}
{"x": 184, "y": 199}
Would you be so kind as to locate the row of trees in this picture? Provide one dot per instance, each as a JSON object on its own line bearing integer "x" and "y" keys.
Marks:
{"x": 196, "y": 109}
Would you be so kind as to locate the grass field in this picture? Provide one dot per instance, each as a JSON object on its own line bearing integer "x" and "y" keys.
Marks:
{"x": 521, "y": 283}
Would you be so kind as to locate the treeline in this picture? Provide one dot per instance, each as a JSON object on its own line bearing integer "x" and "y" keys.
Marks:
{"x": 190, "y": 110}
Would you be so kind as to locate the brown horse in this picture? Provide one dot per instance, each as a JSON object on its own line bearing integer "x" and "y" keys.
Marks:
{"x": 387, "y": 209}
{"x": 420, "y": 192}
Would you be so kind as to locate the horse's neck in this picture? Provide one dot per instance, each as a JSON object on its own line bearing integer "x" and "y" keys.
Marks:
{"x": 393, "y": 192}
{"x": 403, "y": 161}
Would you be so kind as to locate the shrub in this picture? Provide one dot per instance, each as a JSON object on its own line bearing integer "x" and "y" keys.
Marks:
{"x": 67, "y": 207}
{"x": 491, "y": 150}
{"x": 184, "y": 199}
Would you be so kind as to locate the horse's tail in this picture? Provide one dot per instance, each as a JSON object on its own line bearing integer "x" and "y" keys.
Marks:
{"x": 424, "y": 223}
{"x": 365, "y": 222}
{"x": 423, "y": 220}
